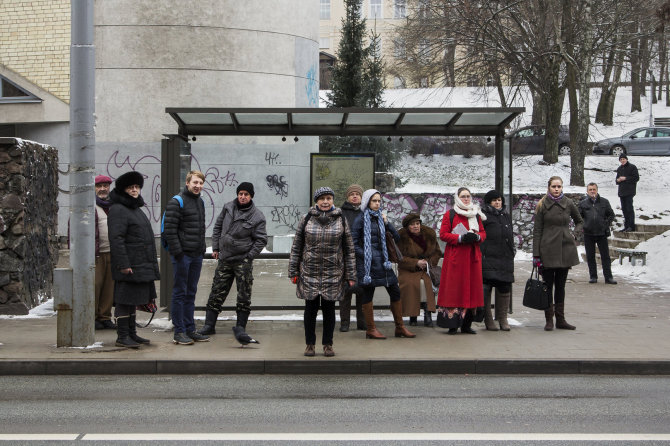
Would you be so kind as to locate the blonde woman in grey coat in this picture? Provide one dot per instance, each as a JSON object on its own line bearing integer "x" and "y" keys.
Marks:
{"x": 322, "y": 264}
{"x": 554, "y": 247}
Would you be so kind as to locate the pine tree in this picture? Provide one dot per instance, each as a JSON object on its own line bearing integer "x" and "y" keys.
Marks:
{"x": 373, "y": 74}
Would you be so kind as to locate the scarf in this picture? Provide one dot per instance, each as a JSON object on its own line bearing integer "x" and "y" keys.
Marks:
{"x": 104, "y": 204}
{"x": 419, "y": 240}
{"x": 367, "y": 245}
{"x": 557, "y": 199}
{"x": 470, "y": 212}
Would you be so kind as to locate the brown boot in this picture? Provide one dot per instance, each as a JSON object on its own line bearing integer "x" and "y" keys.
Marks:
{"x": 502, "y": 305}
{"x": 549, "y": 316}
{"x": 488, "y": 317}
{"x": 400, "y": 330}
{"x": 371, "y": 331}
{"x": 560, "y": 318}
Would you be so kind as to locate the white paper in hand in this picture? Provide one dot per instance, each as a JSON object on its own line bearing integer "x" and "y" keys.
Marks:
{"x": 459, "y": 229}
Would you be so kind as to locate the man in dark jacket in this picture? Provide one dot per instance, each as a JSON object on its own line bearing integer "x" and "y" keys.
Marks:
{"x": 184, "y": 231}
{"x": 238, "y": 237}
{"x": 351, "y": 209}
{"x": 627, "y": 178}
{"x": 598, "y": 216}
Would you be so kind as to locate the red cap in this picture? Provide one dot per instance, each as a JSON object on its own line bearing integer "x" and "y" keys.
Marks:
{"x": 103, "y": 179}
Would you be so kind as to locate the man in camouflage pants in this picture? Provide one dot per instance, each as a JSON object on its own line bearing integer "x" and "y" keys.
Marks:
{"x": 238, "y": 237}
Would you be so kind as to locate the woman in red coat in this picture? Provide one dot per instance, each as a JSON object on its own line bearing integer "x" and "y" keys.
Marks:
{"x": 461, "y": 283}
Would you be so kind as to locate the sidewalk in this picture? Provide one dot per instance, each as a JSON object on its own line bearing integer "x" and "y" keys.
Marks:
{"x": 621, "y": 329}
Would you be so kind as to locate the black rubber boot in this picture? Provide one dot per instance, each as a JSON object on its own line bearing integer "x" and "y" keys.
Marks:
{"x": 122, "y": 333}
{"x": 427, "y": 316}
{"x": 132, "y": 331}
{"x": 242, "y": 318}
{"x": 210, "y": 323}
{"x": 467, "y": 322}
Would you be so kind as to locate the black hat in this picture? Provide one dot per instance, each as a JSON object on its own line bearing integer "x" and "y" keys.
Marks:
{"x": 128, "y": 179}
{"x": 245, "y": 186}
{"x": 623, "y": 155}
{"x": 492, "y": 195}
{"x": 320, "y": 192}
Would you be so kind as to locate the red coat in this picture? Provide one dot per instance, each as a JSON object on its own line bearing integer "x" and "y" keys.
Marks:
{"x": 461, "y": 284}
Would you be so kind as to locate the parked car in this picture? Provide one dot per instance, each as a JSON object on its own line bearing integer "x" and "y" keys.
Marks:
{"x": 642, "y": 141}
{"x": 530, "y": 140}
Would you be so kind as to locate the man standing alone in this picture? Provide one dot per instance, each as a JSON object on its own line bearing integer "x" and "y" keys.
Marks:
{"x": 184, "y": 231}
{"x": 598, "y": 216}
{"x": 238, "y": 237}
{"x": 627, "y": 178}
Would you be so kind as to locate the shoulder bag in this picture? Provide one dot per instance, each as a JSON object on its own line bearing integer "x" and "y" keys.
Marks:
{"x": 536, "y": 293}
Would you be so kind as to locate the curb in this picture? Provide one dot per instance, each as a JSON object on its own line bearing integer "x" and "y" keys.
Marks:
{"x": 337, "y": 367}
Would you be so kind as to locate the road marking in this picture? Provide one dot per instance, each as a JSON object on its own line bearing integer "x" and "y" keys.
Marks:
{"x": 377, "y": 436}
{"x": 38, "y": 437}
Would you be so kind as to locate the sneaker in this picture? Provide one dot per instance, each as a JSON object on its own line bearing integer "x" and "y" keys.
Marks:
{"x": 197, "y": 337}
{"x": 182, "y": 339}
{"x": 309, "y": 350}
{"x": 108, "y": 325}
{"x": 328, "y": 351}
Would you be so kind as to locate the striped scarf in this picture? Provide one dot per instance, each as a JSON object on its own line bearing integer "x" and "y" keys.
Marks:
{"x": 367, "y": 245}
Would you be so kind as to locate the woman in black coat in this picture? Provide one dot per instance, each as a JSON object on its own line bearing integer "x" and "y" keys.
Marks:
{"x": 498, "y": 252}
{"x": 133, "y": 252}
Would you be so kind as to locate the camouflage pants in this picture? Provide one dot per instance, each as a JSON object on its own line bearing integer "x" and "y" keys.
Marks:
{"x": 242, "y": 273}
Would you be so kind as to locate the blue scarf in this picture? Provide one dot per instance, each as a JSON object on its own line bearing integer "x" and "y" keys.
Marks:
{"x": 367, "y": 245}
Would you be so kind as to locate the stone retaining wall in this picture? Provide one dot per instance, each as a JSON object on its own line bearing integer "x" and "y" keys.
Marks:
{"x": 28, "y": 223}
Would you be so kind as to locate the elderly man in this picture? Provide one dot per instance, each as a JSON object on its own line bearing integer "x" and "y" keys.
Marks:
{"x": 104, "y": 285}
{"x": 598, "y": 216}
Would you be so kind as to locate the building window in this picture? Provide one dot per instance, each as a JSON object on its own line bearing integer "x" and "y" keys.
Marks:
{"x": 399, "y": 49}
{"x": 12, "y": 93}
{"x": 324, "y": 10}
{"x": 376, "y": 9}
{"x": 400, "y": 9}
{"x": 423, "y": 82}
{"x": 324, "y": 42}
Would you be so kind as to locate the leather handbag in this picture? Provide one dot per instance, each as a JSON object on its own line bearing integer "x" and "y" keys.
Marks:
{"x": 536, "y": 293}
{"x": 395, "y": 256}
{"x": 149, "y": 307}
{"x": 447, "y": 319}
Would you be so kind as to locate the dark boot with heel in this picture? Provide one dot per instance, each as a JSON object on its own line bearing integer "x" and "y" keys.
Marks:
{"x": 488, "y": 317}
{"x": 210, "y": 323}
{"x": 122, "y": 333}
{"x": 561, "y": 323}
{"x": 132, "y": 330}
{"x": 400, "y": 330}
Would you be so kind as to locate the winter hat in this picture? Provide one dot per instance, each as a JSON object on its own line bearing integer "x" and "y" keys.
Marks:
{"x": 320, "y": 192}
{"x": 492, "y": 195}
{"x": 623, "y": 155}
{"x": 128, "y": 179}
{"x": 366, "y": 198}
{"x": 354, "y": 188}
{"x": 409, "y": 218}
{"x": 103, "y": 179}
{"x": 245, "y": 186}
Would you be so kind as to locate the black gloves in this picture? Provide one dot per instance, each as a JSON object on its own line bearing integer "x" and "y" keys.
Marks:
{"x": 469, "y": 237}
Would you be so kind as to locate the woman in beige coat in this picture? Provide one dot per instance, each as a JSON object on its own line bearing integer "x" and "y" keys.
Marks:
{"x": 554, "y": 248}
{"x": 418, "y": 245}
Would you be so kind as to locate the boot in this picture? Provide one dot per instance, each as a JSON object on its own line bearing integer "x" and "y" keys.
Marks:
{"x": 210, "y": 323}
{"x": 371, "y": 332}
{"x": 122, "y": 333}
{"x": 345, "y": 314}
{"x": 549, "y": 316}
{"x": 560, "y": 318}
{"x": 360, "y": 318}
{"x": 467, "y": 322}
{"x": 132, "y": 331}
{"x": 427, "y": 316}
{"x": 400, "y": 330}
{"x": 242, "y": 318}
{"x": 502, "y": 305}
{"x": 412, "y": 321}
{"x": 488, "y": 317}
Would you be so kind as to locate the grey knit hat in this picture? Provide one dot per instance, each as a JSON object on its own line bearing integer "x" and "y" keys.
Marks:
{"x": 323, "y": 191}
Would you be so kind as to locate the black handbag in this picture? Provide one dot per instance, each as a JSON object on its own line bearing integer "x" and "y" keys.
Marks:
{"x": 536, "y": 293}
{"x": 149, "y": 307}
{"x": 446, "y": 320}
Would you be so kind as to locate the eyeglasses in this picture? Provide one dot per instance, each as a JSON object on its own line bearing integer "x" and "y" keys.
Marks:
{"x": 465, "y": 196}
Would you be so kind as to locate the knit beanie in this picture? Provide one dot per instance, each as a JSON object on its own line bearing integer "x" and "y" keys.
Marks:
{"x": 245, "y": 186}
{"x": 623, "y": 155}
{"x": 354, "y": 188}
{"x": 320, "y": 192}
{"x": 366, "y": 198}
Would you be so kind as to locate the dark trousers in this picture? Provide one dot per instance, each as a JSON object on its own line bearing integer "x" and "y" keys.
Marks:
{"x": 590, "y": 242}
{"x": 328, "y": 311}
{"x": 243, "y": 274}
{"x": 555, "y": 278}
{"x": 628, "y": 212}
{"x": 123, "y": 310}
{"x": 369, "y": 292}
{"x": 186, "y": 276}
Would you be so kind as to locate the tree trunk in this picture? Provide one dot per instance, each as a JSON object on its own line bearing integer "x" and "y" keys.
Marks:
{"x": 644, "y": 64}
{"x": 538, "y": 115}
{"x": 635, "y": 73}
{"x": 661, "y": 62}
{"x": 554, "y": 106}
{"x": 605, "y": 89}
{"x": 608, "y": 118}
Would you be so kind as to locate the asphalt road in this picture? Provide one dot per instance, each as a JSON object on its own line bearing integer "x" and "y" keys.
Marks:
{"x": 338, "y": 409}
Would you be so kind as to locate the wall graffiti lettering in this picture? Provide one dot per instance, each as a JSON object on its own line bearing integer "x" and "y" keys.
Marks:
{"x": 272, "y": 158}
{"x": 312, "y": 87}
{"x": 287, "y": 216}
{"x": 277, "y": 184}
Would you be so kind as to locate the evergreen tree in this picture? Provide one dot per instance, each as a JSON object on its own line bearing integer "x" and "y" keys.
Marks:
{"x": 373, "y": 74}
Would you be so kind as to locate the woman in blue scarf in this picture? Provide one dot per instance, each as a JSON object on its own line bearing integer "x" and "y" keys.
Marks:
{"x": 372, "y": 263}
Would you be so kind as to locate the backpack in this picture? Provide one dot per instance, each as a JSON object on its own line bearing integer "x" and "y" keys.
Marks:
{"x": 164, "y": 242}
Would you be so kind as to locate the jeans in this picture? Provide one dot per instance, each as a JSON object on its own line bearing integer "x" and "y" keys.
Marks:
{"x": 628, "y": 212}
{"x": 186, "y": 276}
{"x": 369, "y": 292}
{"x": 590, "y": 243}
{"x": 311, "y": 310}
{"x": 556, "y": 278}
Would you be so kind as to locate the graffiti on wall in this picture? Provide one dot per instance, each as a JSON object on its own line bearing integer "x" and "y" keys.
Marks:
{"x": 277, "y": 184}
{"x": 312, "y": 87}
{"x": 287, "y": 216}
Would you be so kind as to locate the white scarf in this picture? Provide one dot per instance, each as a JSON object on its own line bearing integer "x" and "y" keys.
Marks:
{"x": 470, "y": 212}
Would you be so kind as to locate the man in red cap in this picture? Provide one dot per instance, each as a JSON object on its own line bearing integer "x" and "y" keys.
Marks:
{"x": 104, "y": 285}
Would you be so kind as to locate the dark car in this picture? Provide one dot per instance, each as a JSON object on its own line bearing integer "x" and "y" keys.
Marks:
{"x": 530, "y": 140}
{"x": 642, "y": 141}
